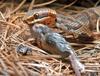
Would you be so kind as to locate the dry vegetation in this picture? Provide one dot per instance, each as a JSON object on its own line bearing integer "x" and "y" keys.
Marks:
{"x": 13, "y": 32}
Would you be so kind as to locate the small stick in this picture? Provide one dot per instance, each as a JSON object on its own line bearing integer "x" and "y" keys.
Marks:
{"x": 18, "y": 7}
{"x": 31, "y": 5}
{"x": 8, "y": 23}
{"x": 23, "y": 69}
{"x": 2, "y": 16}
{"x": 4, "y": 67}
{"x": 97, "y": 25}
{"x": 68, "y": 5}
{"x": 97, "y": 3}
{"x": 44, "y": 4}
{"x": 3, "y": 5}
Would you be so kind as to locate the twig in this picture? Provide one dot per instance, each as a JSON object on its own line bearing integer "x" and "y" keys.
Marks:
{"x": 66, "y": 6}
{"x": 79, "y": 44}
{"x": 34, "y": 64}
{"x": 11, "y": 64}
{"x": 92, "y": 70}
{"x": 44, "y": 4}
{"x": 6, "y": 32}
{"x": 15, "y": 18}
{"x": 25, "y": 73}
{"x": 18, "y": 7}
{"x": 4, "y": 67}
{"x": 4, "y": 4}
{"x": 4, "y": 38}
{"x": 97, "y": 25}
{"x": 31, "y": 5}
{"x": 2, "y": 16}
{"x": 17, "y": 15}
{"x": 18, "y": 33}
{"x": 8, "y": 23}
{"x": 12, "y": 4}
{"x": 35, "y": 73}
{"x": 96, "y": 66}
{"x": 97, "y": 3}
{"x": 96, "y": 41}
{"x": 84, "y": 48}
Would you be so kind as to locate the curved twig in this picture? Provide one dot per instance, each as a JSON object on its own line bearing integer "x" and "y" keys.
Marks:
{"x": 44, "y": 4}
{"x": 31, "y": 5}
{"x": 4, "y": 68}
{"x": 8, "y": 23}
{"x": 3, "y": 5}
{"x": 97, "y": 3}
{"x": 18, "y": 7}
{"x": 2, "y": 16}
{"x": 68, "y": 5}
{"x": 97, "y": 25}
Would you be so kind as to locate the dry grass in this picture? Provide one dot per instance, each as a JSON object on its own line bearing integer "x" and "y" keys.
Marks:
{"x": 14, "y": 32}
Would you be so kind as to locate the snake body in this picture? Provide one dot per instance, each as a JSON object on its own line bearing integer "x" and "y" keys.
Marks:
{"x": 81, "y": 23}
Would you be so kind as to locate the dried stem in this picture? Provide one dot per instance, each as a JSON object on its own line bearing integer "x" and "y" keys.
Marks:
{"x": 31, "y": 5}
{"x": 97, "y": 3}
{"x": 44, "y": 4}
{"x": 18, "y": 7}
{"x": 66, "y": 6}
{"x": 97, "y": 25}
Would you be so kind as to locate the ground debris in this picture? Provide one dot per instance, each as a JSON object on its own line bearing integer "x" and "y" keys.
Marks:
{"x": 13, "y": 32}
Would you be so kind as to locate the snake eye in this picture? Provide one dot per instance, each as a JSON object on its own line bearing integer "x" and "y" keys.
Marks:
{"x": 56, "y": 20}
{"x": 36, "y": 16}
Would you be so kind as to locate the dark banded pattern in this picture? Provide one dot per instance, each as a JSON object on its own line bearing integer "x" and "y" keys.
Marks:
{"x": 82, "y": 23}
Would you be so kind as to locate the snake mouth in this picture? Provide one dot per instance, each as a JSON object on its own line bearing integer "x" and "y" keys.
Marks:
{"x": 39, "y": 20}
{"x": 49, "y": 21}
{"x": 33, "y": 21}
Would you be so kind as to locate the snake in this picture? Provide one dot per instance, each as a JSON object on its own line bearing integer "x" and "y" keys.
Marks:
{"x": 82, "y": 23}
{"x": 79, "y": 24}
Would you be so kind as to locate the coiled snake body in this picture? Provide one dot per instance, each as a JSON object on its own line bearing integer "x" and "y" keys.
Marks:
{"x": 81, "y": 23}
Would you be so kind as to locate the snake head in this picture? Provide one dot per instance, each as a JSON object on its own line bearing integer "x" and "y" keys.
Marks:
{"x": 45, "y": 16}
